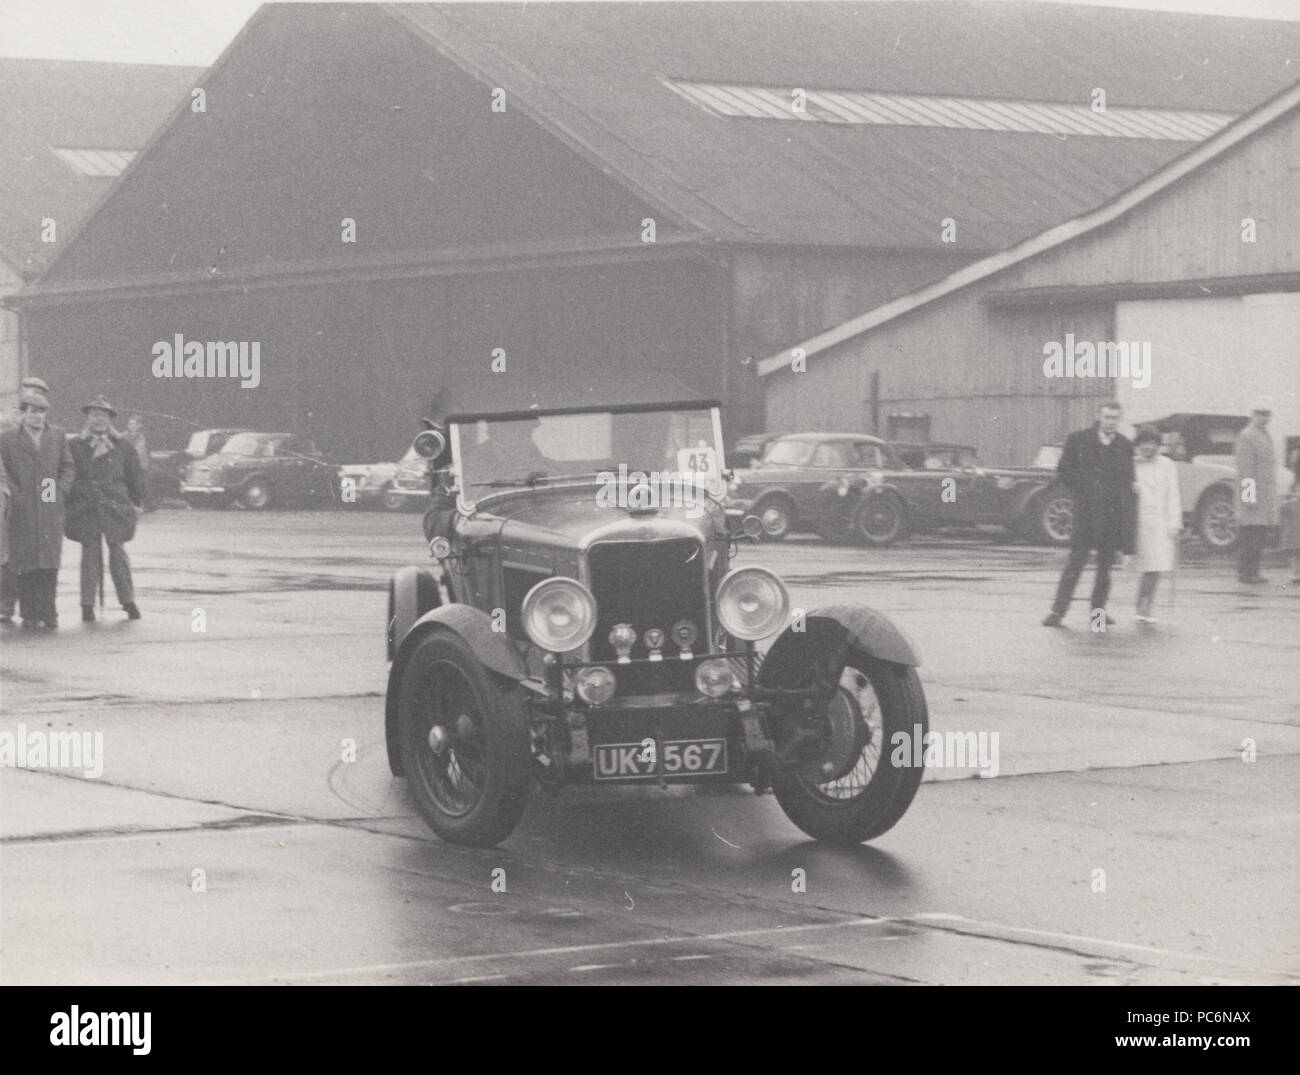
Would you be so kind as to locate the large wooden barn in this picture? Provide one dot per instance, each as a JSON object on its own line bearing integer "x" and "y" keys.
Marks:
{"x": 414, "y": 207}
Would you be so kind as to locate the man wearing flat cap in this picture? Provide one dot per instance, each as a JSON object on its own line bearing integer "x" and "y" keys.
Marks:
{"x": 1256, "y": 490}
{"x": 108, "y": 488}
{"x": 38, "y": 471}
{"x": 8, "y": 582}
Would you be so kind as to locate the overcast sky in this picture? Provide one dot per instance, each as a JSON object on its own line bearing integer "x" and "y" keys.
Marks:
{"x": 194, "y": 32}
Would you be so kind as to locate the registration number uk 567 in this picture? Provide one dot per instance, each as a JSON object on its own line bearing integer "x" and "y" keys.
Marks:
{"x": 681, "y": 757}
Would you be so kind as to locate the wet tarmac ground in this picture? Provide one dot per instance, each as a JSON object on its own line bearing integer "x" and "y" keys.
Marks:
{"x": 1124, "y": 839}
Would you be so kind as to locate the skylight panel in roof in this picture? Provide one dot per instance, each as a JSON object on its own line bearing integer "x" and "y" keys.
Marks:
{"x": 733, "y": 101}
{"x": 95, "y": 163}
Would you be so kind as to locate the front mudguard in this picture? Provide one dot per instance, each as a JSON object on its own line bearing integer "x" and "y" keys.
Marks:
{"x": 827, "y": 635}
{"x": 491, "y": 647}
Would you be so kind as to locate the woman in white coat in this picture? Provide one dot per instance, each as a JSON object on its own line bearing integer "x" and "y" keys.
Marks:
{"x": 1159, "y": 519}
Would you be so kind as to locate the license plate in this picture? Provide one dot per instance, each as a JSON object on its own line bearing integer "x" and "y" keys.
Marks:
{"x": 681, "y": 757}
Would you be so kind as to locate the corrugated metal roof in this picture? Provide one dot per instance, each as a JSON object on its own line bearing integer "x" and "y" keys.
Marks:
{"x": 959, "y": 113}
{"x": 57, "y": 115}
{"x": 919, "y": 111}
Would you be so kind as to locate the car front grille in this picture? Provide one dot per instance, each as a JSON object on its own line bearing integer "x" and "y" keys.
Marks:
{"x": 648, "y": 584}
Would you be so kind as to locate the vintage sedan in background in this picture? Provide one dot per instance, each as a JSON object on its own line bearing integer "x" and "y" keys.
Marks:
{"x": 167, "y": 468}
{"x": 399, "y": 486}
{"x": 850, "y": 486}
{"x": 585, "y": 624}
{"x": 262, "y": 470}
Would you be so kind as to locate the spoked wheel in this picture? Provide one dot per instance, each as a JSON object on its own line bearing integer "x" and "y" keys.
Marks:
{"x": 464, "y": 739}
{"x": 392, "y": 500}
{"x": 865, "y": 782}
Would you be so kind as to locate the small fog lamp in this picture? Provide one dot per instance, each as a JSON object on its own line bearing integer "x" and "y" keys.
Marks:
{"x": 713, "y": 678}
{"x": 595, "y": 686}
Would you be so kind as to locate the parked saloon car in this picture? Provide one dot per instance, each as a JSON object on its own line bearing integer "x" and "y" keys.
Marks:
{"x": 261, "y": 470}
{"x": 880, "y": 498}
{"x": 396, "y": 486}
{"x": 167, "y": 468}
{"x": 630, "y": 654}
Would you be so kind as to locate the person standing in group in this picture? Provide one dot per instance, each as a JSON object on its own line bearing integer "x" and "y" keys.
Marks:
{"x": 1097, "y": 467}
{"x": 102, "y": 503}
{"x": 1159, "y": 518}
{"x": 39, "y": 472}
{"x": 1256, "y": 491}
{"x": 8, "y": 582}
{"x": 1289, "y": 519}
{"x": 135, "y": 437}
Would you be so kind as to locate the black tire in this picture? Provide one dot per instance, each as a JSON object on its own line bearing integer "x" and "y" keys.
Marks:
{"x": 256, "y": 495}
{"x": 869, "y": 799}
{"x": 392, "y": 500}
{"x": 474, "y": 791}
{"x": 1216, "y": 520}
{"x": 777, "y": 516}
{"x": 881, "y": 519}
{"x": 1050, "y": 517}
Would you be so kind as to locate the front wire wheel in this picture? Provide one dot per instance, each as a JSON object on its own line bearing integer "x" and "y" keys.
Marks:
{"x": 465, "y": 745}
{"x": 866, "y": 793}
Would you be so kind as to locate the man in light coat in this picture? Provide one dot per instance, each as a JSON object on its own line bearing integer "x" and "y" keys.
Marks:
{"x": 1256, "y": 491}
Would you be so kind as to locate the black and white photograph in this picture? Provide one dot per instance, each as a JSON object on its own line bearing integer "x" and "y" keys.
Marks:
{"x": 687, "y": 493}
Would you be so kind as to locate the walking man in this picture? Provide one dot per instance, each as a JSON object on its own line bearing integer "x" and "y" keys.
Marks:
{"x": 39, "y": 472}
{"x": 1097, "y": 467}
{"x": 1256, "y": 491}
{"x": 107, "y": 490}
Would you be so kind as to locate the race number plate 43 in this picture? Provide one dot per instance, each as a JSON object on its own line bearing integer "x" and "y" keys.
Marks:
{"x": 682, "y": 757}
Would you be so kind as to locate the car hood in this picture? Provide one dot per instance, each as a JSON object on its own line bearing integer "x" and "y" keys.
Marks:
{"x": 574, "y": 517}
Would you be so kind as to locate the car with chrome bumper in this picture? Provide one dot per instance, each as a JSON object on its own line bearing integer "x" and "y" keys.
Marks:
{"x": 585, "y": 623}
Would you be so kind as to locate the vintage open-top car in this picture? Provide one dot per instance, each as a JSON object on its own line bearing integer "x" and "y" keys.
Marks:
{"x": 585, "y": 624}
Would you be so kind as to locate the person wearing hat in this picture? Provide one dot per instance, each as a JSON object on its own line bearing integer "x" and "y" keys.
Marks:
{"x": 1256, "y": 490}
{"x": 1159, "y": 518}
{"x": 108, "y": 488}
{"x": 39, "y": 472}
{"x": 8, "y": 582}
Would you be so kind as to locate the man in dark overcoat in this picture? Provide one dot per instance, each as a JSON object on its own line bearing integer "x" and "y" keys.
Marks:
{"x": 8, "y": 581}
{"x": 109, "y": 487}
{"x": 39, "y": 472}
{"x": 1097, "y": 467}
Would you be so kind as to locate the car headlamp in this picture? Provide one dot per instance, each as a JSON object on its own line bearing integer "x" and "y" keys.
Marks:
{"x": 594, "y": 685}
{"x": 559, "y": 614}
{"x": 713, "y": 678}
{"x": 752, "y": 603}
